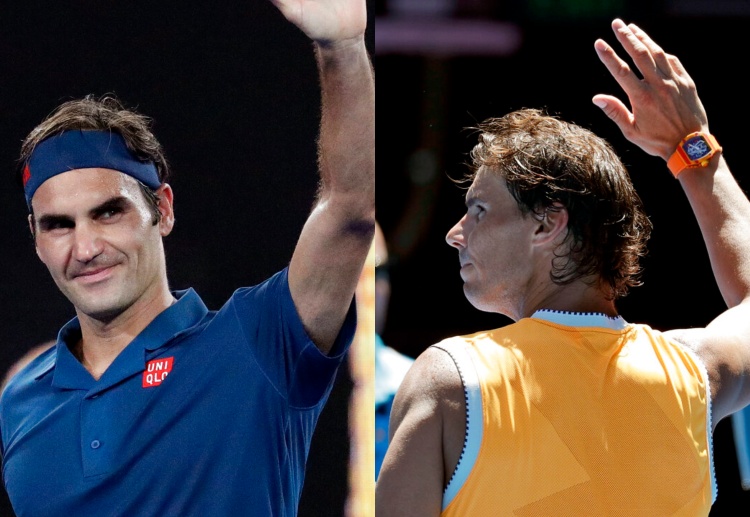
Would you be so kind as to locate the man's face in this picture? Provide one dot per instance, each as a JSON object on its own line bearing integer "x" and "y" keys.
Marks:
{"x": 95, "y": 232}
{"x": 494, "y": 243}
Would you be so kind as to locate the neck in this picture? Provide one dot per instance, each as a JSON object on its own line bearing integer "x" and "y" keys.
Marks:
{"x": 103, "y": 340}
{"x": 578, "y": 296}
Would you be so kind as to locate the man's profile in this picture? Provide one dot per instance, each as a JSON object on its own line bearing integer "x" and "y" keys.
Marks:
{"x": 571, "y": 409}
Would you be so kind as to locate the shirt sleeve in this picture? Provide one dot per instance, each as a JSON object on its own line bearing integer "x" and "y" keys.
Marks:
{"x": 273, "y": 330}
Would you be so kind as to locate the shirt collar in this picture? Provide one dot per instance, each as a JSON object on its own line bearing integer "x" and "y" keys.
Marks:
{"x": 581, "y": 319}
{"x": 188, "y": 311}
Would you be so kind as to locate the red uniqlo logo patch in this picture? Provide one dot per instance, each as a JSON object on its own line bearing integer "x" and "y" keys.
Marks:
{"x": 156, "y": 371}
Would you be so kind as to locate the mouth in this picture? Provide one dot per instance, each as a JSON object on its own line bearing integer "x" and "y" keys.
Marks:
{"x": 465, "y": 272}
{"x": 465, "y": 264}
{"x": 92, "y": 276}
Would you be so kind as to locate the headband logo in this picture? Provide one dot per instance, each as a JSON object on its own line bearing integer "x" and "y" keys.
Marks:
{"x": 26, "y": 174}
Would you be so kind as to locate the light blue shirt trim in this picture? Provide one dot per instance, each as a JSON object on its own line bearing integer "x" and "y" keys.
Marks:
{"x": 474, "y": 419}
{"x": 709, "y": 423}
{"x": 581, "y": 319}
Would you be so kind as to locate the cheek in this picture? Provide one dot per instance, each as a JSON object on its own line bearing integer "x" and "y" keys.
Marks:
{"x": 143, "y": 248}
{"x": 485, "y": 245}
{"x": 145, "y": 216}
{"x": 499, "y": 249}
{"x": 131, "y": 235}
{"x": 51, "y": 253}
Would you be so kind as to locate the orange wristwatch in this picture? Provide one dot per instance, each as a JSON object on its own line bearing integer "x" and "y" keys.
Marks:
{"x": 695, "y": 150}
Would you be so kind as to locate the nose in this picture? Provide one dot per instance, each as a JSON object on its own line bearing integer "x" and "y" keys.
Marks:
{"x": 455, "y": 236}
{"x": 88, "y": 244}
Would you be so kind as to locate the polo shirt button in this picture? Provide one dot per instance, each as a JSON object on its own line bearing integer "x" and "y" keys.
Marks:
{"x": 95, "y": 444}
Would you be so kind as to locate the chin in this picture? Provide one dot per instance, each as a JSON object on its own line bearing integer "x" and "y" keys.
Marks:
{"x": 485, "y": 302}
{"x": 105, "y": 314}
{"x": 100, "y": 308}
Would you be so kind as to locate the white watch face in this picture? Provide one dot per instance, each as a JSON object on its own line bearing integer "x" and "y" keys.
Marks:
{"x": 696, "y": 148}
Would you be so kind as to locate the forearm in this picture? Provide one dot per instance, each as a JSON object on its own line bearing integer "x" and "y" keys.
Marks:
{"x": 346, "y": 145}
{"x": 723, "y": 213}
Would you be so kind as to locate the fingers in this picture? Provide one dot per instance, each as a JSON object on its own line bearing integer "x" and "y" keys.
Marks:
{"x": 636, "y": 49}
{"x": 658, "y": 56}
{"x": 679, "y": 70}
{"x": 619, "y": 69}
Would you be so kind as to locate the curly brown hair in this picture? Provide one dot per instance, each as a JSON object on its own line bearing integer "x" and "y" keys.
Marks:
{"x": 547, "y": 162}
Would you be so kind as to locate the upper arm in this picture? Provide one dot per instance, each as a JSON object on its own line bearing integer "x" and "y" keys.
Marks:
{"x": 724, "y": 347}
{"x": 327, "y": 264}
{"x": 426, "y": 410}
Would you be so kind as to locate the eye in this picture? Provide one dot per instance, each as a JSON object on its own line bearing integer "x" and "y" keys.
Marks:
{"x": 477, "y": 211}
{"x": 56, "y": 225}
{"x": 109, "y": 214}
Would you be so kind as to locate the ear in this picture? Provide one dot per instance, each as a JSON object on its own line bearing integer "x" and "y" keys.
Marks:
{"x": 166, "y": 208}
{"x": 552, "y": 227}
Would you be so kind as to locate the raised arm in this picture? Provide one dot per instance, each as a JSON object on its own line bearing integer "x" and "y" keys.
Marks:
{"x": 665, "y": 107}
{"x": 336, "y": 238}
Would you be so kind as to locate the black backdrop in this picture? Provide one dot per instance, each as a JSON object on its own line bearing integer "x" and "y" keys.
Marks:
{"x": 425, "y": 99}
{"x": 232, "y": 87}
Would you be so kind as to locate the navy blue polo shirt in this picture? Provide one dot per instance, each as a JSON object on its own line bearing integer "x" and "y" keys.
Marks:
{"x": 205, "y": 413}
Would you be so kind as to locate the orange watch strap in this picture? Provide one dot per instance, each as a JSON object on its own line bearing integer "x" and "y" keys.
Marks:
{"x": 676, "y": 162}
{"x": 680, "y": 161}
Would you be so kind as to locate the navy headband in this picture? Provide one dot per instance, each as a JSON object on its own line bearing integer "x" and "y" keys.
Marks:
{"x": 79, "y": 149}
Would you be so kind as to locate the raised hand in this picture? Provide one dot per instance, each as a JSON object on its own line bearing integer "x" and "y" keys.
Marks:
{"x": 665, "y": 104}
{"x": 327, "y": 22}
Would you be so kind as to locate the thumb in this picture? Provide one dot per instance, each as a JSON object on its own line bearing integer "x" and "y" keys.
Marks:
{"x": 616, "y": 111}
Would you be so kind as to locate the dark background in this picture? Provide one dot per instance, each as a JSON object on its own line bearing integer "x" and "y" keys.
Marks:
{"x": 539, "y": 53}
{"x": 232, "y": 87}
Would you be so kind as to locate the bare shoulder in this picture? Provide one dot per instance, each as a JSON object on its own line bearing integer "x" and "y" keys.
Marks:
{"x": 703, "y": 345}
{"x": 433, "y": 384}
{"x": 723, "y": 347}
{"x": 432, "y": 395}
{"x": 426, "y": 428}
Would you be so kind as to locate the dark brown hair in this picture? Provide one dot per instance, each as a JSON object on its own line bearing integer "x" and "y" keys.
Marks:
{"x": 547, "y": 162}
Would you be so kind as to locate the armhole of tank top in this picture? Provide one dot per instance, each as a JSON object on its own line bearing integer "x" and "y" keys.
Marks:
{"x": 474, "y": 419}
{"x": 709, "y": 420}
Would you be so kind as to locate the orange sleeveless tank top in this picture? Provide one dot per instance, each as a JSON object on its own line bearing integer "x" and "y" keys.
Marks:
{"x": 581, "y": 414}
